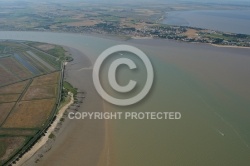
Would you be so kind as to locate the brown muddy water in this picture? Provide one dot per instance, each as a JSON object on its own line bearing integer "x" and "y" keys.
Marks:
{"x": 209, "y": 85}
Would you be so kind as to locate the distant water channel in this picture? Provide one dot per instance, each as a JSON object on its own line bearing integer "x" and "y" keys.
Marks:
{"x": 235, "y": 21}
{"x": 29, "y": 66}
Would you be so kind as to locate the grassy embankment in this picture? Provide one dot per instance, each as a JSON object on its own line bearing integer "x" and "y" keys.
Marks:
{"x": 67, "y": 87}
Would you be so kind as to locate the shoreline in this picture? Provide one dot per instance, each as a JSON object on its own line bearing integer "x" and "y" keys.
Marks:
{"x": 43, "y": 140}
{"x": 197, "y": 43}
{"x": 76, "y": 139}
{"x": 139, "y": 37}
{"x": 96, "y": 35}
{"x": 228, "y": 46}
{"x": 125, "y": 38}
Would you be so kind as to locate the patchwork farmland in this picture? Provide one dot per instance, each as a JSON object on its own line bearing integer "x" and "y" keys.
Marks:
{"x": 30, "y": 87}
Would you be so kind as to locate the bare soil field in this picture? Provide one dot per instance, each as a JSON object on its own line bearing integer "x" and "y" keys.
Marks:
{"x": 30, "y": 114}
{"x": 15, "y": 68}
{"x": 5, "y": 108}
{"x": 191, "y": 33}
{"x": 45, "y": 47}
{"x": 46, "y": 79}
{"x": 40, "y": 92}
{"x": 8, "y": 98}
{"x": 6, "y": 77}
{"x": 145, "y": 12}
{"x": 129, "y": 24}
{"x": 9, "y": 145}
{"x": 14, "y": 88}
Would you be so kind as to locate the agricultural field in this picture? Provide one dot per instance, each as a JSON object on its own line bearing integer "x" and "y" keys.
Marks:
{"x": 7, "y": 77}
{"x": 40, "y": 92}
{"x": 8, "y": 98}
{"x": 46, "y": 79}
{"x": 26, "y": 111}
{"x": 20, "y": 61}
{"x": 12, "y": 66}
{"x": 17, "y": 132}
{"x": 9, "y": 145}
{"x": 30, "y": 114}
{"x": 30, "y": 87}
{"x": 55, "y": 16}
{"x": 5, "y": 109}
{"x": 14, "y": 88}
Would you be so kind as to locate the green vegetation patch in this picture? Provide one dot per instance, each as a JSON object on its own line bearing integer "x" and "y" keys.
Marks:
{"x": 69, "y": 88}
{"x": 17, "y": 132}
{"x": 52, "y": 136}
{"x": 58, "y": 52}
